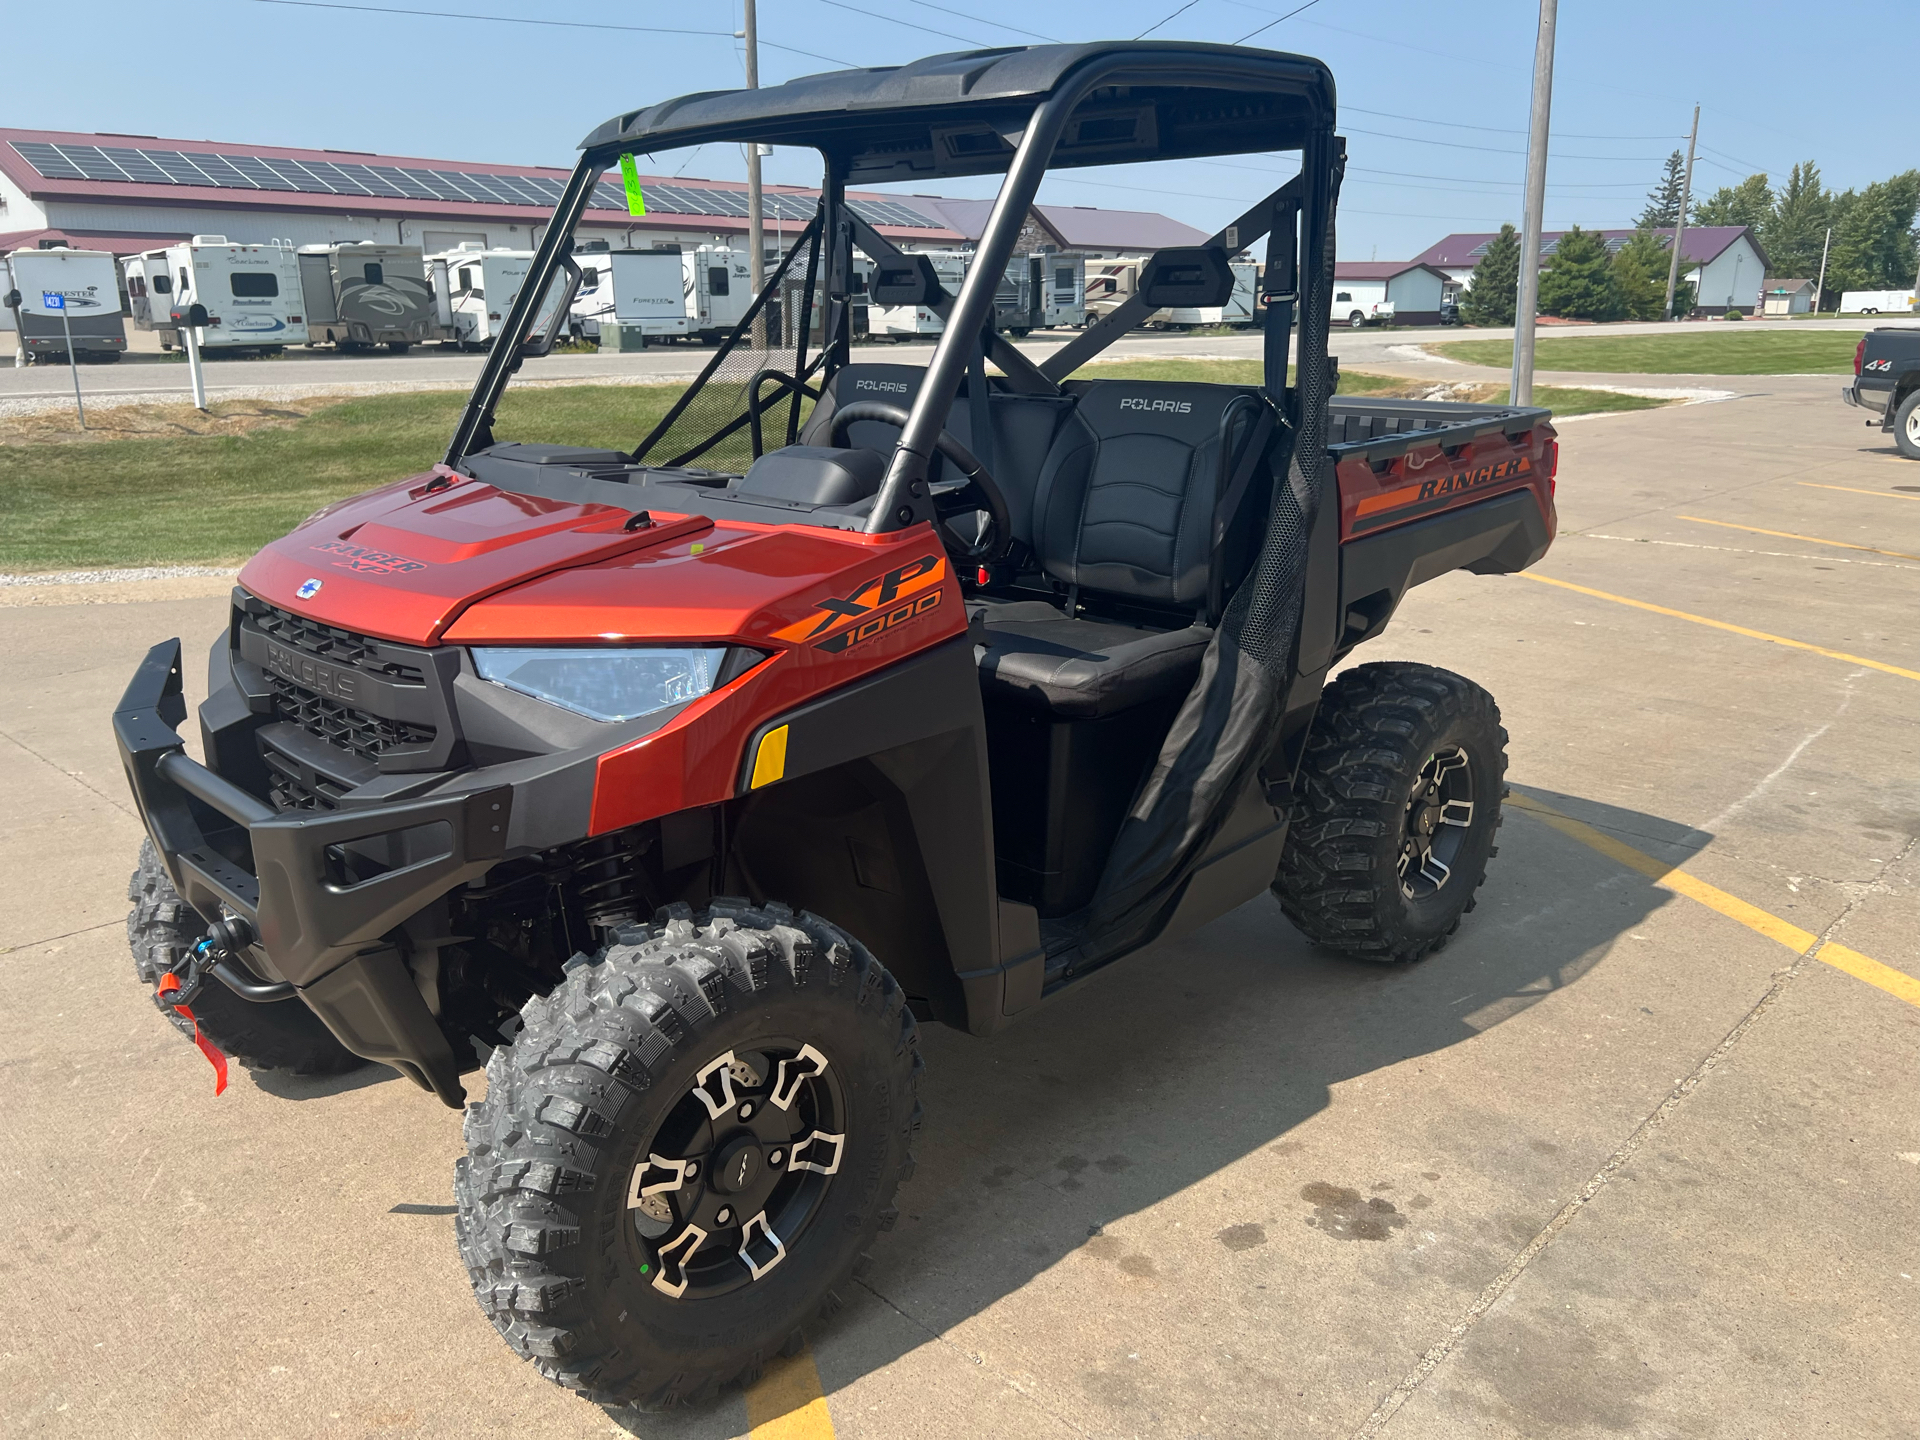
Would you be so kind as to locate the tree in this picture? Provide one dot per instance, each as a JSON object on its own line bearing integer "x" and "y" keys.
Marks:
{"x": 1873, "y": 237}
{"x": 1496, "y": 282}
{"x": 1578, "y": 282}
{"x": 1796, "y": 229}
{"x": 1748, "y": 203}
{"x": 1640, "y": 275}
{"x": 1663, "y": 201}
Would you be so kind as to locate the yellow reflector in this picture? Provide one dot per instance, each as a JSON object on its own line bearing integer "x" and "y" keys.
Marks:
{"x": 771, "y": 761}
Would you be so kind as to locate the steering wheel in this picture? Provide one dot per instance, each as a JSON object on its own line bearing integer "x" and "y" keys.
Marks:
{"x": 976, "y": 493}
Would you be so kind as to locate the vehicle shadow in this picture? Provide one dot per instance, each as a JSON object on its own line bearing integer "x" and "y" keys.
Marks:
{"x": 321, "y": 1087}
{"x": 1162, "y": 1069}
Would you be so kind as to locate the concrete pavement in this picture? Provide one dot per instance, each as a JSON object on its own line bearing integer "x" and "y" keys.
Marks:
{"x": 1615, "y": 1162}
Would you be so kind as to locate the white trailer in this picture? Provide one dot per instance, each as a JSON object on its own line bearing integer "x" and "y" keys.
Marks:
{"x": 475, "y": 288}
{"x": 719, "y": 287}
{"x": 90, "y": 294}
{"x": 251, "y": 293}
{"x": 1878, "y": 302}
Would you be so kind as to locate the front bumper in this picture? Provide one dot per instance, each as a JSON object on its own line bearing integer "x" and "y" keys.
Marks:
{"x": 318, "y": 910}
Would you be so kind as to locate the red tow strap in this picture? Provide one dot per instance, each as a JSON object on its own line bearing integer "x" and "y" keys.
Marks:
{"x": 170, "y": 983}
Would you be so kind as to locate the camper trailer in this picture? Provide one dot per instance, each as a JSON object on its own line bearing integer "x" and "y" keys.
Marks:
{"x": 90, "y": 310}
{"x": 628, "y": 297}
{"x": 251, "y": 293}
{"x": 474, "y": 289}
{"x": 1042, "y": 291}
{"x": 1109, "y": 285}
{"x": 361, "y": 294}
{"x": 718, "y": 286}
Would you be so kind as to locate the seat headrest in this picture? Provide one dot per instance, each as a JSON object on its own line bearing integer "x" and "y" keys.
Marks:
{"x": 1180, "y": 410}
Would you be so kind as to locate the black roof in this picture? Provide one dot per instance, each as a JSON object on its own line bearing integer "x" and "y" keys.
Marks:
{"x": 952, "y": 114}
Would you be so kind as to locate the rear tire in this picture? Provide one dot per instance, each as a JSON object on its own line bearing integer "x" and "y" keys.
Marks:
{"x": 1393, "y": 745}
{"x": 285, "y": 1035}
{"x": 1906, "y": 426}
{"x": 1356, "y": 321}
{"x": 571, "y": 1217}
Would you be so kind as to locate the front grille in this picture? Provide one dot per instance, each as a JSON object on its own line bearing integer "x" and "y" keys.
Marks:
{"x": 342, "y": 647}
{"x": 341, "y": 725}
{"x": 290, "y": 792}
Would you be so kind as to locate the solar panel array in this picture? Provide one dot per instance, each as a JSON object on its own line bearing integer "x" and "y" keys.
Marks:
{"x": 394, "y": 182}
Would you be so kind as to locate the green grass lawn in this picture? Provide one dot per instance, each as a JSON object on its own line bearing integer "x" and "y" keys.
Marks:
{"x": 1719, "y": 349}
{"x": 163, "y": 497}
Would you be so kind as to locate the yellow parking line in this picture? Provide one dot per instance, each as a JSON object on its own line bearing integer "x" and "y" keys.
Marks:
{"x": 1854, "y": 490}
{"x": 1810, "y": 539}
{"x": 1723, "y": 625}
{"x": 1670, "y": 877}
{"x": 786, "y": 1402}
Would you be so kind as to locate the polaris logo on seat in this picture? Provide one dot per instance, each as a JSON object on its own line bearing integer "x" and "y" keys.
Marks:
{"x": 895, "y": 387}
{"x": 1161, "y": 407}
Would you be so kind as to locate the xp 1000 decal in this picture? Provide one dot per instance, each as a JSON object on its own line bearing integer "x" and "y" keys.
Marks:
{"x": 873, "y": 606}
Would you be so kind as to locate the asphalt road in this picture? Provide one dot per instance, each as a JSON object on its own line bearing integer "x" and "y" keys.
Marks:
{"x": 1624, "y": 1159}
{"x": 147, "y": 379}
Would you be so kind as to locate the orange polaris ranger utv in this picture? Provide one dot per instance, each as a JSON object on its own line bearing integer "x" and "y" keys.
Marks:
{"x": 677, "y": 785}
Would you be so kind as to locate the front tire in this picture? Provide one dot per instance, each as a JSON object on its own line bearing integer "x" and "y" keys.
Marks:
{"x": 1906, "y": 426}
{"x": 1396, "y": 807}
{"x": 752, "y": 1059}
{"x": 284, "y": 1035}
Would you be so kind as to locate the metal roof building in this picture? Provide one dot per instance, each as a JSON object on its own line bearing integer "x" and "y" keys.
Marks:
{"x": 128, "y": 193}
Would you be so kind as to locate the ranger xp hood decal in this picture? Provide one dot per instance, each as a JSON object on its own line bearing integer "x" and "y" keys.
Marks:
{"x": 869, "y": 595}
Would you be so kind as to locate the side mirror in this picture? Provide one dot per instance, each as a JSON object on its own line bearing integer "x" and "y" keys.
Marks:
{"x": 562, "y": 311}
{"x": 911, "y": 284}
{"x": 1188, "y": 276}
{"x": 192, "y": 316}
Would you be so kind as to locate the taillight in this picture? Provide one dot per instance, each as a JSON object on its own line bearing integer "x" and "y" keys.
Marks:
{"x": 1553, "y": 467}
{"x": 1859, "y": 354}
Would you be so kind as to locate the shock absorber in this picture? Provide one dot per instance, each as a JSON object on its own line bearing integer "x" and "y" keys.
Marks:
{"x": 607, "y": 879}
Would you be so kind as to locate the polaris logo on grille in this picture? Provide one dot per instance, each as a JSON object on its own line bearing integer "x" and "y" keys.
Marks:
{"x": 892, "y": 387}
{"x": 333, "y": 681}
{"x": 1160, "y": 407}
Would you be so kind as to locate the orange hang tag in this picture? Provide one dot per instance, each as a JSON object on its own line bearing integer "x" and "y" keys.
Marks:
{"x": 170, "y": 983}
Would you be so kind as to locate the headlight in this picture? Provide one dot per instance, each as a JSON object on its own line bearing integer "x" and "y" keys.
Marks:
{"x": 610, "y": 684}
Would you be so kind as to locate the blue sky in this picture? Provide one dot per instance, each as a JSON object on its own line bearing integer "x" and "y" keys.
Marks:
{"x": 1445, "y": 88}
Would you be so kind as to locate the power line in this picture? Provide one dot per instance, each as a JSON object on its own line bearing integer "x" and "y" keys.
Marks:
{"x": 556, "y": 24}
{"x": 1271, "y": 23}
{"x": 896, "y": 20}
{"x": 1494, "y": 129}
{"x": 1158, "y": 23}
{"x": 1415, "y": 175}
{"x": 1496, "y": 150}
{"x": 997, "y": 24}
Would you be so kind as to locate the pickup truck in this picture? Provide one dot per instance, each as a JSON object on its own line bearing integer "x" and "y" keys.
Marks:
{"x": 1886, "y": 379}
{"x": 1358, "y": 313}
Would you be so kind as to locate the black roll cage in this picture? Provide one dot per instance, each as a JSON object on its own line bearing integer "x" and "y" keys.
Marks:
{"x": 1294, "y": 219}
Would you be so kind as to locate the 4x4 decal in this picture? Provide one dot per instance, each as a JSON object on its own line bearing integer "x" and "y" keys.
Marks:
{"x": 872, "y": 606}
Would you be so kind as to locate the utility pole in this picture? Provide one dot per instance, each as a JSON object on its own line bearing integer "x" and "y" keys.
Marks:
{"x": 1528, "y": 300}
{"x": 1680, "y": 220}
{"x": 1820, "y": 285}
{"x": 756, "y": 263}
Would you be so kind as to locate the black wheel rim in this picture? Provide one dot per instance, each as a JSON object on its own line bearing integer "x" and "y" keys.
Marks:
{"x": 732, "y": 1179}
{"x": 1439, "y": 820}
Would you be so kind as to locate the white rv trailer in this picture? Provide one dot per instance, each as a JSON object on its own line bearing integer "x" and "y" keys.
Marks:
{"x": 1878, "y": 302}
{"x": 86, "y": 282}
{"x": 719, "y": 288}
{"x": 251, "y": 293}
{"x": 1237, "y": 311}
{"x": 474, "y": 289}
{"x": 360, "y": 294}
